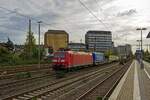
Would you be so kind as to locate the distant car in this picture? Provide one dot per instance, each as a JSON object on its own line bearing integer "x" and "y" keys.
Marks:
{"x": 71, "y": 59}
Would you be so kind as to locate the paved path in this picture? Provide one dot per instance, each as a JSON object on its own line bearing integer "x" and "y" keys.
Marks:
{"x": 135, "y": 84}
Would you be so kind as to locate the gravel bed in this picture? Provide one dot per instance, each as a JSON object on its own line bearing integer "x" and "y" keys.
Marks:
{"x": 78, "y": 89}
{"x": 102, "y": 89}
{"x": 43, "y": 83}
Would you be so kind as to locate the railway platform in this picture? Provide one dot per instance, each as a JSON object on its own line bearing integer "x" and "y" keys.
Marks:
{"x": 135, "y": 84}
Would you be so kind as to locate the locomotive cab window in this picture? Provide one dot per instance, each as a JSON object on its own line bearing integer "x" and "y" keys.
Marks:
{"x": 59, "y": 55}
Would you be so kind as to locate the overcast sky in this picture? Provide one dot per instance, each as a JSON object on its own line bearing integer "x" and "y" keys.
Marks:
{"x": 122, "y": 17}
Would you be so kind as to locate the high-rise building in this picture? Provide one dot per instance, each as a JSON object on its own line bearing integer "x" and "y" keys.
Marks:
{"x": 99, "y": 41}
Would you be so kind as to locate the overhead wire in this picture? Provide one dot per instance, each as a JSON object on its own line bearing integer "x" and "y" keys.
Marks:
{"x": 12, "y": 28}
{"x": 29, "y": 17}
{"x": 99, "y": 6}
{"x": 25, "y": 16}
{"x": 91, "y": 12}
{"x": 65, "y": 22}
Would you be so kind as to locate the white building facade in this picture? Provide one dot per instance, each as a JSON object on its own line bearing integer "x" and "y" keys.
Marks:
{"x": 99, "y": 41}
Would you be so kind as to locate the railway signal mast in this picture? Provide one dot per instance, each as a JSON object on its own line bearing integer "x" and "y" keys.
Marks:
{"x": 39, "y": 54}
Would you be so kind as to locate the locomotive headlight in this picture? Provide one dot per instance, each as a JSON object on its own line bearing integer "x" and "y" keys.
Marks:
{"x": 54, "y": 60}
{"x": 62, "y": 60}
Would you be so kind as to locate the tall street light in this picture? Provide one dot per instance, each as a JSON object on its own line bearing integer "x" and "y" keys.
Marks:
{"x": 141, "y": 29}
{"x": 39, "y": 53}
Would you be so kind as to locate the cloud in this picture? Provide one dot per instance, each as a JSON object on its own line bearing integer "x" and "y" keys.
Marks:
{"x": 127, "y": 13}
{"x": 71, "y": 16}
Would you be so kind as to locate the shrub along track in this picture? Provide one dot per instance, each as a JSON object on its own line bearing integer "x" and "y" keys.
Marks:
{"x": 22, "y": 68}
{"x": 21, "y": 72}
{"x": 56, "y": 84}
{"x": 24, "y": 75}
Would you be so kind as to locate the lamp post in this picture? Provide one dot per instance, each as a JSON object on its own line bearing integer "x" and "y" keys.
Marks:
{"x": 39, "y": 53}
{"x": 95, "y": 44}
{"x": 141, "y": 29}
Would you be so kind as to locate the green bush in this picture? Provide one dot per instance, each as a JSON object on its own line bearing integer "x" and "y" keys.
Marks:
{"x": 9, "y": 58}
{"x": 23, "y": 75}
{"x": 99, "y": 98}
{"x": 34, "y": 98}
{"x": 60, "y": 74}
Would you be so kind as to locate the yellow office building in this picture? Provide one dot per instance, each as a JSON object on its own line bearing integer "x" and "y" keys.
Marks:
{"x": 56, "y": 40}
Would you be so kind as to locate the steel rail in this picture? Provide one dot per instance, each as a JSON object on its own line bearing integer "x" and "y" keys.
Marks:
{"x": 94, "y": 87}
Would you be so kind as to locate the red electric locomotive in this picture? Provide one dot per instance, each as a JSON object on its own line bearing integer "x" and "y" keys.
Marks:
{"x": 70, "y": 59}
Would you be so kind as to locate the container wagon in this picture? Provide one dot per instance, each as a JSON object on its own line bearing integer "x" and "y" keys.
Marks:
{"x": 98, "y": 58}
{"x": 113, "y": 58}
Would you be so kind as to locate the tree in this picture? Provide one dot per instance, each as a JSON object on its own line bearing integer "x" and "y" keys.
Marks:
{"x": 10, "y": 45}
{"x": 146, "y": 52}
{"x": 30, "y": 45}
{"x": 108, "y": 53}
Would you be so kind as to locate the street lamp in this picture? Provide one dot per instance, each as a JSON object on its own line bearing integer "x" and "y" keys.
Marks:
{"x": 39, "y": 53}
{"x": 140, "y": 29}
{"x": 141, "y": 36}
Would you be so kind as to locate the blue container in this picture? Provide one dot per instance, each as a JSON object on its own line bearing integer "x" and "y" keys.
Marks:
{"x": 98, "y": 57}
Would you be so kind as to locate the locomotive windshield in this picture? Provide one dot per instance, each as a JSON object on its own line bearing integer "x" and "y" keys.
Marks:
{"x": 59, "y": 55}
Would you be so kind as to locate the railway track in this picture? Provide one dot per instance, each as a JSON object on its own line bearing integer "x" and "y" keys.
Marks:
{"x": 23, "y": 81}
{"x": 70, "y": 90}
{"x": 56, "y": 85}
{"x": 15, "y": 77}
{"x": 11, "y": 79}
{"x": 104, "y": 88}
{"x": 73, "y": 92}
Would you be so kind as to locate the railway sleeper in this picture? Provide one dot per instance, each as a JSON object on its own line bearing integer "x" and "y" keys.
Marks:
{"x": 23, "y": 98}
{"x": 43, "y": 97}
{"x": 39, "y": 99}
{"x": 30, "y": 96}
{"x": 37, "y": 91}
{"x": 15, "y": 99}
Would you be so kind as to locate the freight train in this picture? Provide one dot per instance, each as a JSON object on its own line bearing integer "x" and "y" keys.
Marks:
{"x": 72, "y": 59}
